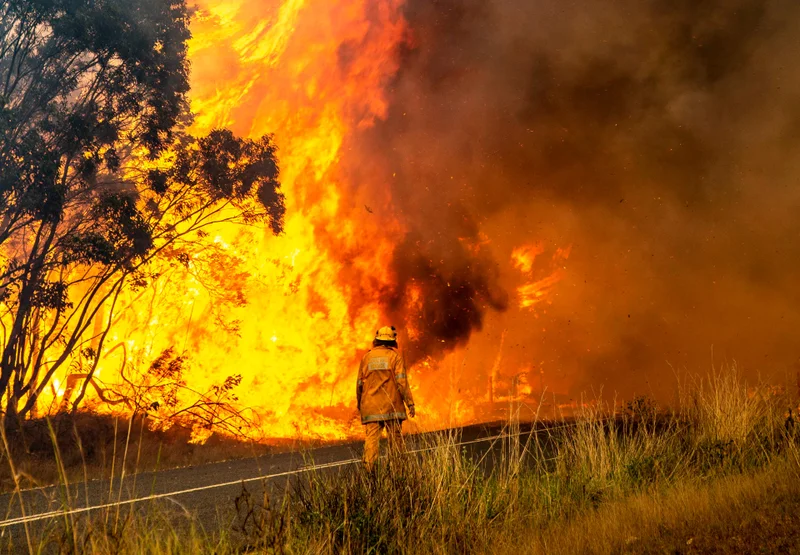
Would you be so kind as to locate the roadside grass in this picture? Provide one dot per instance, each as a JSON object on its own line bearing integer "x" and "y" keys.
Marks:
{"x": 545, "y": 487}
{"x": 755, "y": 512}
{"x": 719, "y": 473}
{"x": 95, "y": 444}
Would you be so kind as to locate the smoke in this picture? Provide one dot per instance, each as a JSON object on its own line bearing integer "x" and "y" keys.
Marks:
{"x": 659, "y": 139}
{"x": 455, "y": 288}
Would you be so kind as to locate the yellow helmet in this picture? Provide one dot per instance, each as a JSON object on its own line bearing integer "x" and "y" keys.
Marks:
{"x": 386, "y": 333}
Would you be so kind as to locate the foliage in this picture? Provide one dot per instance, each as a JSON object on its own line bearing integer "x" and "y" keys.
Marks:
{"x": 98, "y": 181}
{"x": 162, "y": 393}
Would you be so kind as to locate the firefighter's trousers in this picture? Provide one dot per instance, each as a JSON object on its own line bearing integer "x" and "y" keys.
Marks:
{"x": 372, "y": 444}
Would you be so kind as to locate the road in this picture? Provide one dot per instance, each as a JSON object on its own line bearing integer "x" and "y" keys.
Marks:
{"x": 206, "y": 492}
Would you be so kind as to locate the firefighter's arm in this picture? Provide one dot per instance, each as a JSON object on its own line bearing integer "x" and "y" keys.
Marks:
{"x": 401, "y": 376}
{"x": 360, "y": 384}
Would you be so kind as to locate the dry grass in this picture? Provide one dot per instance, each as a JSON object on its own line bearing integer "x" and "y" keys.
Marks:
{"x": 691, "y": 517}
{"x": 616, "y": 482}
{"x": 635, "y": 481}
{"x": 93, "y": 444}
{"x": 726, "y": 409}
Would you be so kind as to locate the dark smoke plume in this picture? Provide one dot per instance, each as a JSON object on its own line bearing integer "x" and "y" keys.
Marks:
{"x": 455, "y": 289}
{"x": 659, "y": 138}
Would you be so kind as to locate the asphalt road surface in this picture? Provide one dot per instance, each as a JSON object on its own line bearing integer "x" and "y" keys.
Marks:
{"x": 206, "y": 493}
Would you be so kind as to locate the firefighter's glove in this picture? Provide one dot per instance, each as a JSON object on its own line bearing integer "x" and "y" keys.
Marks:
{"x": 411, "y": 411}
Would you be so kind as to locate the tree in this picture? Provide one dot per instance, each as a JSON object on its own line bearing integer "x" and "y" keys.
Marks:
{"x": 219, "y": 178}
{"x": 97, "y": 178}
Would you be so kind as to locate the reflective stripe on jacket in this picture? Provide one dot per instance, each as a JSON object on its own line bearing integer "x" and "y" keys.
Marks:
{"x": 382, "y": 388}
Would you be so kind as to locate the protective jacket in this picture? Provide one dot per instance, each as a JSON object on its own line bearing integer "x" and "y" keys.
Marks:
{"x": 382, "y": 388}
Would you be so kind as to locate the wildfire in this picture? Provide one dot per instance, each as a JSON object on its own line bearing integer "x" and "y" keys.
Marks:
{"x": 278, "y": 324}
{"x": 310, "y": 73}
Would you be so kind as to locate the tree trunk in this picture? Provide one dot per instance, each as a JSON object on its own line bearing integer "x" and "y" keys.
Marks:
{"x": 11, "y": 416}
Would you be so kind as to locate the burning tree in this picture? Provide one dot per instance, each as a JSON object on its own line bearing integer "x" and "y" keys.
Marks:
{"x": 98, "y": 179}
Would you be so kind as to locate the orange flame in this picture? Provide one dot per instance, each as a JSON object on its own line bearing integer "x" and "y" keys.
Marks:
{"x": 524, "y": 258}
{"x": 293, "y": 314}
{"x": 311, "y": 72}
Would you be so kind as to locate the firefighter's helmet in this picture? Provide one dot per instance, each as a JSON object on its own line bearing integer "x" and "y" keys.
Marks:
{"x": 386, "y": 333}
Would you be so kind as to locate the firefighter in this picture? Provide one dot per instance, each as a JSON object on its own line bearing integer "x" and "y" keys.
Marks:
{"x": 382, "y": 394}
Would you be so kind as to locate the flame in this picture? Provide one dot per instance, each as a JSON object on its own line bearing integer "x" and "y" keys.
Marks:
{"x": 524, "y": 259}
{"x": 310, "y": 72}
{"x": 292, "y": 314}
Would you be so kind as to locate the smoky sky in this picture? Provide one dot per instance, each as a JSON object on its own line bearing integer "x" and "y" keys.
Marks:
{"x": 658, "y": 138}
